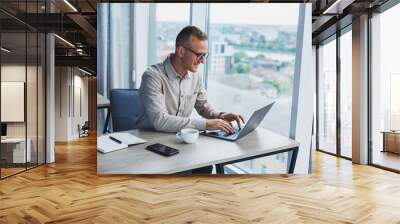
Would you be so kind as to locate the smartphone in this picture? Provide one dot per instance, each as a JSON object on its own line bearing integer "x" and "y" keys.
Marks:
{"x": 162, "y": 149}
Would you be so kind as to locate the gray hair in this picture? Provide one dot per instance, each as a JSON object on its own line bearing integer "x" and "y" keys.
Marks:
{"x": 185, "y": 33}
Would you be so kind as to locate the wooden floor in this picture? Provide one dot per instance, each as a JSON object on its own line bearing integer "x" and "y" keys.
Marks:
{"x": 10, "y": 171}
{"x": 70, "y": 191}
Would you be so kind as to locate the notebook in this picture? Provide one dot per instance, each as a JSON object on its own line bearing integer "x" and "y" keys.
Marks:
{"x": 105, "y": 144}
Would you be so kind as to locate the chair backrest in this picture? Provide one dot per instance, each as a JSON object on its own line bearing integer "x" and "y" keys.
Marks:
{"x": 86, "y": 125}
{"x": 125, "y": 108}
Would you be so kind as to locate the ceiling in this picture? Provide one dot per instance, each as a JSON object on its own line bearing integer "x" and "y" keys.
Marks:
{"x": 74, "y": 21}
{"x": 329, "y": 16}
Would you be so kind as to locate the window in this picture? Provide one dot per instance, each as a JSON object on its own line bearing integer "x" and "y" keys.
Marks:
{"x": 22, "y": 76}
{"x": 253, "y": 48}
{"x": 346, "y": 94}
{"x": 327, "y": 97}
{"x": 115, "y": 45}
{"x": 168, "y": 26}
{"x": 385, "y": 88}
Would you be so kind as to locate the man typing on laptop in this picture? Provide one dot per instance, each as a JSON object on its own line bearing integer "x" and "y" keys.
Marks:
{"x": 172, "y": 89}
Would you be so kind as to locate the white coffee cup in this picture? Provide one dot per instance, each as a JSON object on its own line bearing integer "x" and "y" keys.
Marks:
{"x": 188, "y": 135}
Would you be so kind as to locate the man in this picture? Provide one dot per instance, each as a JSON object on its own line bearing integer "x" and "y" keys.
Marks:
{"x": 172, "y": 89}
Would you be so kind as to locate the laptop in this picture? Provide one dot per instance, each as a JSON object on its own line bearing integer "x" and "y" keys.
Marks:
{"x": 251, "y": 124}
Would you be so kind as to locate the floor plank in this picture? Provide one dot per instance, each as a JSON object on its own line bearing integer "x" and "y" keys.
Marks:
{"x": 70, "y": 191}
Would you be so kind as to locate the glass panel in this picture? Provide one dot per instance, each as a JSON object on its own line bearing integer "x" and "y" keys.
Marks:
{"x": 13, "y": 85}
{"x": 252, "y": 56}
{"x": 21, "y": 90}
{"x": 327, "y": 97}
{"x": 386, "y": 89}
{"x": 270, "y": 165}
{"x": 32, "y": 88}
{"x": 346, "y": 94}
{"x": 168, "y": 26}
{"x": 31, "y": 98}
{"x": 41, "y": 99}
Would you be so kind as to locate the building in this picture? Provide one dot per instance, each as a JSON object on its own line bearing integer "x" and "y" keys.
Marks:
{"x": 221, "y": 58}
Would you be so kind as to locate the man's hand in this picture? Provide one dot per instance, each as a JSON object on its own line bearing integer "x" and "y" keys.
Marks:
{"x": 232, "y": 117}
{"x": 219, "y": 124}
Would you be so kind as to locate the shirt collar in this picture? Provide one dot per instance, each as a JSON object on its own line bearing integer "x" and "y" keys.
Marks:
{"x": 170, "y": 70}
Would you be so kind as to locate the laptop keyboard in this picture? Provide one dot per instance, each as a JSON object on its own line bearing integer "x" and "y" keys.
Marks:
{"x": 229, "y": 134}
{"x": 225, "y": 134}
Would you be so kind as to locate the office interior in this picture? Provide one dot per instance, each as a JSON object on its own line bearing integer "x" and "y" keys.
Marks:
{"x": 355, "y": 108}
{"x": 331, "y": 50}
{"x": 357, "y": 87}
{"x": 45, "y": 90}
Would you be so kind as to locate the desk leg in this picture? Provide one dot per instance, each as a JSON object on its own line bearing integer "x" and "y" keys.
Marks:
{"x": 219, "y": 168}
{"x": 293, "y": 159}
{"x": 384, "y": 143}
{"x": 107, "y": 120}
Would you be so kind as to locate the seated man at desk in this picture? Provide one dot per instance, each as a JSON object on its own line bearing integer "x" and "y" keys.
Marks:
{"x": 172, "y": 89}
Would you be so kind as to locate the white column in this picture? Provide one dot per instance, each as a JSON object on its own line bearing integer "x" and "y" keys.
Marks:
{"x": 141, "y": 45}
{"x": 199, "y": 15}
{"x": 360, "y": 90}
{"x": 50, "y": 99}
{"x": 152, "y": 36}
{"x": 199, "y": 18}
{"x": 303, "y": 91}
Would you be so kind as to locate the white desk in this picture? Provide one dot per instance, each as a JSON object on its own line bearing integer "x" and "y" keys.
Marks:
{"x": 18, "y": 154}
{"x": 206, "y": 151}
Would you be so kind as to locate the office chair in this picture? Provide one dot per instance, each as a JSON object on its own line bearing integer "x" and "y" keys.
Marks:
{"x": 84, "y": 129}
{"x": 125, "y": 108}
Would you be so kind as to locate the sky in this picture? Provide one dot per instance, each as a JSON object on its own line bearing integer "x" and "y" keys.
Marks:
{"x": 238, "y": 13}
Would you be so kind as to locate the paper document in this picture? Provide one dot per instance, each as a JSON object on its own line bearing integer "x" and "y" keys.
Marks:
{"x": 105, "y": 144}
{"x": 127, "y": 138}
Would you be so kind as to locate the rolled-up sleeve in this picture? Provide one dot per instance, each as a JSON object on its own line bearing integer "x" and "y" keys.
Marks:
{"x": 203, "y": 107}
{"x": 153, "y": 103}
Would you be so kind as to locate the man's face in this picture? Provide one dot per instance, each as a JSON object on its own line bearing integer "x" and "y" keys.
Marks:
{"x": 190, "y": 60}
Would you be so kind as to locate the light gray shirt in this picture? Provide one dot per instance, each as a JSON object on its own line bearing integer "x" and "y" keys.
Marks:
{"x": 168, "y": 101}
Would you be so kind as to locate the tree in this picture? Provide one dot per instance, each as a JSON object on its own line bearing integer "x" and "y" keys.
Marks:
{"x": 261, "y": 42}
{"x": 240, "y": 56}
{"x": 242, "y": 68}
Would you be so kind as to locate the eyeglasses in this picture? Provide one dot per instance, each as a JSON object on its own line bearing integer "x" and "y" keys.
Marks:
{"x": 198, "y": 55}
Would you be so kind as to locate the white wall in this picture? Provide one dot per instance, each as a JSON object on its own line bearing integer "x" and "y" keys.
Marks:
{"x": 33, "y": 126}
{"x": 12, "y": 73}
{"x": 79, "y": 117}
{"x": 61, "y": 103}
{"x": 70, "y": 84}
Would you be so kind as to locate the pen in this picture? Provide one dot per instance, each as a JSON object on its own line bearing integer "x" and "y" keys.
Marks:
{"x": 115, "y": 140}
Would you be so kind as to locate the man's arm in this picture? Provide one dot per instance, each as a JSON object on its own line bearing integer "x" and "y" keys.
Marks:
{"x": 153, "y": 102}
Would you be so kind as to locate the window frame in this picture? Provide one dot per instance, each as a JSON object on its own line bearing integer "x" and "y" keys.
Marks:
{"x": 296, "y": 84}
{"x": 152, "y": 56}
{"x": 334, "y": 37}
{"x": 379, "y": 10}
